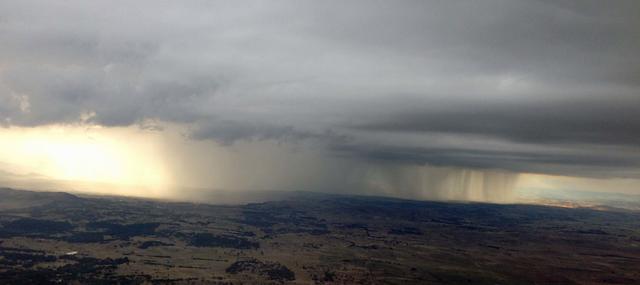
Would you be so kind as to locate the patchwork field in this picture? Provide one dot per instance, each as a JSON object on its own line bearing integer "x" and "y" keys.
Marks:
{"x": 58, "y": 238}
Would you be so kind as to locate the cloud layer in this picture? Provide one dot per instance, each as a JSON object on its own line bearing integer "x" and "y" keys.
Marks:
{"x": 523, "y": 86}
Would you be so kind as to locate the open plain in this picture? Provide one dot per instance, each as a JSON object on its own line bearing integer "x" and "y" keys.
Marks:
{"x": 59, "y": 238}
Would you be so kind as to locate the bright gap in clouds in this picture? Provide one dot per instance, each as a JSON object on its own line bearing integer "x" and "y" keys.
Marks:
{"x": 119, "y": 156}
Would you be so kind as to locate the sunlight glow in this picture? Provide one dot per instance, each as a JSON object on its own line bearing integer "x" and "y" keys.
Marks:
{"x": 122, "y": 156}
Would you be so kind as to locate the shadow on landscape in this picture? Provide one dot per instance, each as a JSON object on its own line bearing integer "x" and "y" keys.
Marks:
{"x": 57, "y": 238}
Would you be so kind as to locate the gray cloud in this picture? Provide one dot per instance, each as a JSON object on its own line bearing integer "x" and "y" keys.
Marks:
{"x": 228, "y": 132}
{"x": 559, "y": 163}
{"x": 608, "y": 120}
{"x": 529, "y": 86}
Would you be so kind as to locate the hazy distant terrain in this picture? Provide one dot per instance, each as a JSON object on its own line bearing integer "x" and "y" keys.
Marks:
{"x": 582, "y": 199}
{"x": 58, "y": 238}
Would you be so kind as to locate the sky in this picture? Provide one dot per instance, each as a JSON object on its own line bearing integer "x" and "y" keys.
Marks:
{"x": 415, "y": 99}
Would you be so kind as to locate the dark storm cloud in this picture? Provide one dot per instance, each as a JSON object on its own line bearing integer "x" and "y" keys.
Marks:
{"x": 540, "y": 86}
{"x": 597, "y": 165}
{"x": 228, "y": 132}
{"x": 607, "y": 120}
